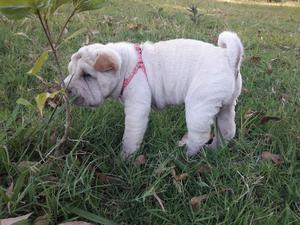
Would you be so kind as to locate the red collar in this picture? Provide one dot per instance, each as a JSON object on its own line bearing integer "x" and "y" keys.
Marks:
{"x": 139, "y": 65}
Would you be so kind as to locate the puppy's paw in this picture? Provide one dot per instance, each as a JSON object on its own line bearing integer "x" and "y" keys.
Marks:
{"x": 126, "y": 155}
{"x": 183, "y": 140}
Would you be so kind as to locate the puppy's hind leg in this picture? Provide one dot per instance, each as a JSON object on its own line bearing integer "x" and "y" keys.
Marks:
{"x": 226, "y": 126}
{"x": 199, "y": 118}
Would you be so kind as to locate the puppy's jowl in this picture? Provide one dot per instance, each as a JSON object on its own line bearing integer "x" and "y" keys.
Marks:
{"x": 206, "y": 78}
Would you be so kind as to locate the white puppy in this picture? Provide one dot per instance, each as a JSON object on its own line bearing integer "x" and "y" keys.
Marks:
{"x": 206, "y": 78}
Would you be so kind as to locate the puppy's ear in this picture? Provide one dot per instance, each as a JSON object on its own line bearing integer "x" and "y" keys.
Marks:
{"x": 105, "y": 62}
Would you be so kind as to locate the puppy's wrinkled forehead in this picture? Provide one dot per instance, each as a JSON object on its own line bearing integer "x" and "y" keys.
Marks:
{"x": 87, "y": 54}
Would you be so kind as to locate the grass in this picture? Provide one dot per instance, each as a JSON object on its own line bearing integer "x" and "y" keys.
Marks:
{"x": 92, "y": 177}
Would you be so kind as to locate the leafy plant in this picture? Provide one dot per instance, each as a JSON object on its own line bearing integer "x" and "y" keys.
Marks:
{"x": 43, "y": 10}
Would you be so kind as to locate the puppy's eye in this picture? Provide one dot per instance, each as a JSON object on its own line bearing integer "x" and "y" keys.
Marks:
{"x": 86, "y": 75}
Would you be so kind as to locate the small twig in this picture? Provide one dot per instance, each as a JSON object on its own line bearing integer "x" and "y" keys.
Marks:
{"x": 64, "y": 27}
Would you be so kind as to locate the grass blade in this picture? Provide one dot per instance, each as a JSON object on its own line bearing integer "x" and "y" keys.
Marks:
{"x": 91, "y": 217}
{"x": 19, "y": 185}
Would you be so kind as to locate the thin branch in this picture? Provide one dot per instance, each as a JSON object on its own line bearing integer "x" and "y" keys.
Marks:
{"x": 64, "y": 27}
{"x": 45, "y": 31}
{"x": 51, "y": 45}
{"x": 66, "y": 100}
{"x": 47, "y": 27}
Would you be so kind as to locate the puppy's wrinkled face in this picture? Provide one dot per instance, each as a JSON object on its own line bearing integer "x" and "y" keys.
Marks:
{"x": 94, "y": 72}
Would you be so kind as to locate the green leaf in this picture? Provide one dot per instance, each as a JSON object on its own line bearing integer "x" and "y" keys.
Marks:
{"x": 39, "y": 63}
{"x": 16, "y": 3}
{"x": 85, "y": 5}
{"x": 91, "y": 217}
{"x": 16, "y": 12}
{"x": 22, "y": 101}
{"x": 42, "y": 98}
{"x": 55, "y": 4}
{"x": 18, "y": 9}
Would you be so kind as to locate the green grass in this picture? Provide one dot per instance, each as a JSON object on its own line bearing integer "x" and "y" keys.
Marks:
{"x": 261, "y": 193}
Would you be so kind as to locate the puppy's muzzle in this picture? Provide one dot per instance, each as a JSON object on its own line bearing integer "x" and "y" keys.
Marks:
{"x": 74, "y": 97}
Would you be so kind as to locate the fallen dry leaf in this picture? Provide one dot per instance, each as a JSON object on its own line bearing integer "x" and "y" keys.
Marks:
{"x": 269, "y": 68}
{"x": 177, "y": 179}
{"x": 140, "y": 160}
{"x": 181, "y": 177}
{"x": 195, "y": 201}
{"x": 276, "y": 159}
{"x": 76, "y": 223}
{"x": 266, "y": 119}
{"x": 11, "y": 221}
{"x": 42, "y": 220}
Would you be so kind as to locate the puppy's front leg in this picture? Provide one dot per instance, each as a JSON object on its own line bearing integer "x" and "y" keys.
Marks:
{"x": 136, "y": 120}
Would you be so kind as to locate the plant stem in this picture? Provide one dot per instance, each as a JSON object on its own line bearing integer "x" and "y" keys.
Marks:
{"x": 66, "y": 100}
{"x": 51, "y": 45}
{"x": 47, "y": 27}
{"x": 64, "y": 27}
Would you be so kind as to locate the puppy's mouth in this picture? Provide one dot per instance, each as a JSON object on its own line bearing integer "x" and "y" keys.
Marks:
{"x": 79, "y": 101}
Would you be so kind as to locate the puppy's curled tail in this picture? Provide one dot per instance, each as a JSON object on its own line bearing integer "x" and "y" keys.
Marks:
{"x": 235, "y": 50}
